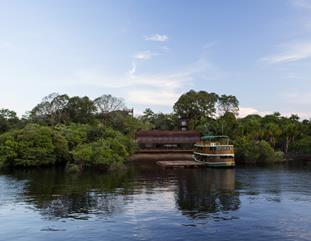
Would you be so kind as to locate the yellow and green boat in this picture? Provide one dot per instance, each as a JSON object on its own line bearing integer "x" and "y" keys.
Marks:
{"x": 215, "y": 151}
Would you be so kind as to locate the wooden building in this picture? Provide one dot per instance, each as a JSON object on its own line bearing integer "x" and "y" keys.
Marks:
{"x": 167, "y": 140}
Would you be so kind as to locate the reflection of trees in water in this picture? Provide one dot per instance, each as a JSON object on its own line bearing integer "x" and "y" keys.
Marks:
{"x": 207, "y": 191}
{"x": 56, "y": 194}
{"x": 60, "y": 195}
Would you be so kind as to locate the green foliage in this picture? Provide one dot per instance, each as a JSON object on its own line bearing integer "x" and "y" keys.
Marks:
{"x": 55, "y": 109}
{"x": 108, "y": 104}
{"x": 160, "y": 121}
{"x": 33, "y": 145}
{"x": 226, "y": 124}
{"x": 126, "y": 124}
{"x": 86, "y": 145}
{"x": 100, "y": 132}
{"x": 96, "y": 145}
{"x": 302, "y": 146}
{"x": 80, "y": 110}
{"x": 75, "y": 134}
{"x": 193, "y": 105}
{"x": 61, "y": 148}
{"x": 228, "y": 104}
{"x": 255, "y": 151}
{"x": 101, "y": 153}
{"x": 72, "y": 168}
{"x": 51, "y": 110}
{"x": 8, "y": 120}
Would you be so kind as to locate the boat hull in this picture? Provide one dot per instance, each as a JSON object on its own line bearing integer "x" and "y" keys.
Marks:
{"x": 215, "y": 162}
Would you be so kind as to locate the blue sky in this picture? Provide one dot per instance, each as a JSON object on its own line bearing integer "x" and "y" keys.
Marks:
{"x": 149, "y": 52}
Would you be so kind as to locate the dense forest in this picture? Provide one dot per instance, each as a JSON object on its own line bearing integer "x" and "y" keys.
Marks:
{"x": 80, "y": 132}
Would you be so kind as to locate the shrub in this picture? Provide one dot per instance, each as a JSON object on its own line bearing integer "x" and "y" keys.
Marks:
{"x": 302, "y": 146}
{"x": 250, "y": 151}
{"x": 103, "y": 152}
{"x": 34, "y": 145}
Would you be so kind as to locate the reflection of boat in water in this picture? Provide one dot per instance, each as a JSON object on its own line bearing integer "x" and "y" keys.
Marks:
{"x": 203, "y": 193}
{"x": 215, "y": 151}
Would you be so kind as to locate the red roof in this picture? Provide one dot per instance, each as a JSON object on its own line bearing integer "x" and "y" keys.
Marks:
{"x": 159, "y": 133}
{"x": 167, "y": 137}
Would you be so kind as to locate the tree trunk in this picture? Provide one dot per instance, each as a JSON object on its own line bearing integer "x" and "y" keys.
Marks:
{"x": 286, "y": 146}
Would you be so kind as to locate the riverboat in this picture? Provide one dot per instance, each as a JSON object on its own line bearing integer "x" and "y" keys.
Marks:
{"x": 215, "y": 151}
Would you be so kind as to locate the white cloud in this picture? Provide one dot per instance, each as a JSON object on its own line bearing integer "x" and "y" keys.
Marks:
{"x": 159, "y": 91}
{"x": 291, "y": 53}
{"x": 144, "y": 55}
{"x": 132, "y": 71}
{"x": 138, "y": 89}
{"x": 245, "y": 111}
{"x": 157, "y": 37}
{"x": 301, "y": 114}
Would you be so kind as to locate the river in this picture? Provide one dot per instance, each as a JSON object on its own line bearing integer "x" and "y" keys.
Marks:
{"x": 145, "y": 202}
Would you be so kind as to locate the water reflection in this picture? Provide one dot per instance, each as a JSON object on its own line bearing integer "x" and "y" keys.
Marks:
{"x": 56, "y": 194}
{"x": 207, "y": 191}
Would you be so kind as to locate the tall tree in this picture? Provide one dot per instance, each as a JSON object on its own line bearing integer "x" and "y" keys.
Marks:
{"x": 147, "y": 114}
{"x": 109, "y": 103}
{"x": 193, "y": 105}
{"x": 58, "y": 108}
{"x": 51, "y": 110}
{"x": 228, "y": 104}
{"x": 8, "y": 119}
{"x": 80, "y": 109}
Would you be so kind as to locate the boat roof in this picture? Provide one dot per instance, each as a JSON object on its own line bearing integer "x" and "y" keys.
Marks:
{"x": 207, "y": 137}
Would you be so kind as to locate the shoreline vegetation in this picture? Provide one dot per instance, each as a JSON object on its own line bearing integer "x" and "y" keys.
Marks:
{"x": 77, "y": 132}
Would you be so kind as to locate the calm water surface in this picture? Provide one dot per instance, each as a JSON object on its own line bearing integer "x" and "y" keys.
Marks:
{"x": 148, "y": 203}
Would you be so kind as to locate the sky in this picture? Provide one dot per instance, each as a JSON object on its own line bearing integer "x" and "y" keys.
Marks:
{"x": 149, "y": 52}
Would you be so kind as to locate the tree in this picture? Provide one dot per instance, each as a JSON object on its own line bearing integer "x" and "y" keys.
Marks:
{"x": 228, "y": 124}
{"x": 80, "y": 109}
{"x": 108, "y": 103}
{"x": 110, "y": 149}
{"x": 55, "y": 109}
{"x": 255, "y": 151}
{"x": 228, "y": 104}
{"x": 160, "y": 121}
{"x": 58, "y": 108}
{"x": 125, "y": 123}
{"x": 289, "y": 132}
{"x": 33, "y": 145}
{"x": 74, "y": 133}
{"x": 51, "y": 110}
{"x": 148, "y": 115}
{"x": 272, "y": 132}
{"x": 8, "y": 120}
{"x": 250, "y": 127}
{"x": 193, "y": 105}
{"x": 163, "y": 121}
{"x": 302, "y": 146}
